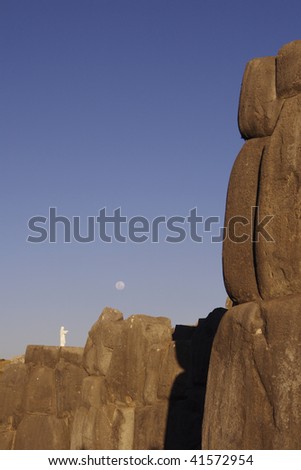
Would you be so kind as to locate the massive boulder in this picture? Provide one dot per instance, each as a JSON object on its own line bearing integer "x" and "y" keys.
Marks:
{"x": 253, "y": 390}
{"x": 253, "y": 393}
{"x": 239, "y": 223}
{"x": 288, "y": 77}
{"x": 277, "y": 262}
{"x": 259, "y": 106}
{"x": 259, "y": 251}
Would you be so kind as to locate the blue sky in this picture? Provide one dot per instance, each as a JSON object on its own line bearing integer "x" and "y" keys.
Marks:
{"x": 119, "y": 103}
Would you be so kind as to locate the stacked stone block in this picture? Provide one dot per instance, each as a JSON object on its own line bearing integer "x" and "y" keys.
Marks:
{"x": 132, "y": 366}
{"x": 266, "y": 175}
{"x": 39, "y": 398}
{"x": 253, "y": 393}
{"x": 137, "y": 384}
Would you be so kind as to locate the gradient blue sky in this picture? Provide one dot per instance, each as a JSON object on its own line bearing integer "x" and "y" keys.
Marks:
{"x": 119, "y": 103}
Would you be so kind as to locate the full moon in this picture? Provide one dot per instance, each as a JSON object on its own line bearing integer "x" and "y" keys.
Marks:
{"x": 120, "y": 285}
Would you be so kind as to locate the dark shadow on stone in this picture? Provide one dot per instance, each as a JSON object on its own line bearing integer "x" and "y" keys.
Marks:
{"x": 187, "y": 398}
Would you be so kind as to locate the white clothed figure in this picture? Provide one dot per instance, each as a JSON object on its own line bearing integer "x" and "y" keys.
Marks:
{"x": 63, "y": 333}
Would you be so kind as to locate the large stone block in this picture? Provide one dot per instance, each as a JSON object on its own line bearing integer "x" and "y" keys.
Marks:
{"x": 42, "y": 355}
{"x": 68, "y": 386}
{"x": 74, "y": 355}
{"x": 278, "y": 263}
{"x": 126, "y": 375}
{"x": 289, "y": 70}
{"x": 253, "y": 391}
{"x": 238, "y": 246}
{"x": 40, "y": 391}
{"x": 90, "y": 429}
{"x": 40, "y": 432}
{"x": 152, "y": 374}
{"x": 12, "y": 387}
{"x": 95, "y": 392}
{"x": 106, "y": 332}
{"x": 125, "y": 429}
{"x": 96, "y": 428}
{"x": 259, "y": 106}
{"x": 76, "y": 438}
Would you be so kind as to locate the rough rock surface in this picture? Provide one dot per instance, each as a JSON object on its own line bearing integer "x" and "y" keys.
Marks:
{"x": 259, "y": 106}
{"x": 253, "y": 391}
{"x": 123, "y": 359}
{"x": 254, "y": 382}
{"x": 266, "y": 175}
{"x": 138, "y": 384}
{"x": 39, "y": 398}
{"x": 278, "y": 267}
{"x": 146, "y": 383}
{"x": 289, "y": 70}
{"x": 239, "y": 220}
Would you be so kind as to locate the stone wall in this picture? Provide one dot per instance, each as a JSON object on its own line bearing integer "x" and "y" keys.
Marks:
{"x": 266, "y": 175}
{"x": 131, "y": 365}
{"x": 137, "y": 384}
{"x": 39, "y": 398}
{"x": 146, "y": 383}
{"x": 253, "y": 392}
{"x": 253, "y": 398}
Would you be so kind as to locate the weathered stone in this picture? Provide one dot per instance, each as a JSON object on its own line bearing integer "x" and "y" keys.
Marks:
{"x": 7, "y": 437}
{"x": 68, "y": 385}
{"x": 90, "y": 362}
{"x": 152, "y": 374}
{"x": 151, "y": 382}
{"x": 125, "y": 428}
{"x": 259, "y": 106}
{"x": 103, "y": 336}
{"x": 277, "y": 263}
{"x": 127, "y": 372}
{"x": 42, "y": 355}
{"x": 289, "y": 70}
{"x": 95, "y": 392}
{"x": 40, "y": 391}
{"x": 253, "y": 390}
{"x": 40, "y": 432}
{"x": 238, "y": 244}
{"x": 96, "y": 428}
{"x": 76, "y": 439}
{"x": 12, "y": 386}
{"x": 111, "y": 315}
{"x": 129, "y": 401}
{"x": 150, "y": 426}
{"x": 73, "y": 355}
{"x": 90, "y": 440}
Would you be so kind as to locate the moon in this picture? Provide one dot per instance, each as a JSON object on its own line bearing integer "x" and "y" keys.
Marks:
{"x": 120, "y": 285}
